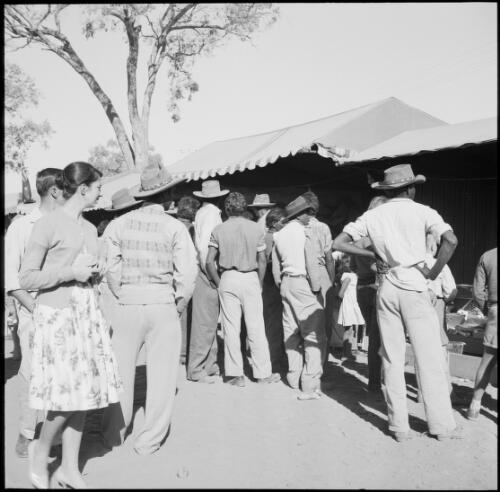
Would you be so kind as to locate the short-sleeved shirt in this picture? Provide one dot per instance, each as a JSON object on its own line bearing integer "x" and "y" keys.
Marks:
{"x": 290, "y": 244}
{"x": 238, "y": 241}
{"x": 397, "y": 230}
{"x": 485, "y": 279}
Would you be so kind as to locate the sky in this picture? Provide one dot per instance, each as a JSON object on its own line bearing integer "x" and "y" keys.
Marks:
{"x": 316, "y": 60}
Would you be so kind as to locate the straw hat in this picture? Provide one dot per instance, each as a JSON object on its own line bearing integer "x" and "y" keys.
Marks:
{"x": 296, "y": 207}
{"x": 397, "y": 177}
{"x": 261, "y": 201}
{"x": 154, "y": 178}
{"x": 122, "y": 199}
{"x": 210, "y": 189}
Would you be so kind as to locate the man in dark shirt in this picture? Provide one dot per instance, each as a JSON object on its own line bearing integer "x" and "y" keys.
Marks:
{"x": 485, "y": 294}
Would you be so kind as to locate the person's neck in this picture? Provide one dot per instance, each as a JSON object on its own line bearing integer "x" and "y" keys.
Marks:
{"x": 73, "y": 208}
{"x": 46, "y": 206}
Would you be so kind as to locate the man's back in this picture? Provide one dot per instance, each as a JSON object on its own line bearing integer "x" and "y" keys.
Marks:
{"x": 238, "y": 241}
{"x": 485, "y": 280}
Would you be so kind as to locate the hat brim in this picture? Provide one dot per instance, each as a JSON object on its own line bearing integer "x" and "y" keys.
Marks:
{"x": 122, "y": 207}
{"x": 138, "y": 193}
{"x": 298, "y": 212}
{"x": 200, "y": 194}
{"x": 261, "y": 205}
{"x": 380, "y": 185}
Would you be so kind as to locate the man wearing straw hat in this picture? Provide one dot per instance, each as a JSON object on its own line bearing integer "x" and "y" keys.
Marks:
{"x": 152, "y": 270}
{"x": 397, "y": 230}
{"x": 303, "y": 315}
{"x": 262, "y": 204}
{"x": 202, "y": 359}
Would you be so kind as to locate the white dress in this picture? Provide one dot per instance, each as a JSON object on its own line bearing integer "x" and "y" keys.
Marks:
{"x": 350, "y": 313}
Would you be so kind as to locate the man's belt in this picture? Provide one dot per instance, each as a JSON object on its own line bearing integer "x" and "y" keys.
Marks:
{"x": 294, "y": 275}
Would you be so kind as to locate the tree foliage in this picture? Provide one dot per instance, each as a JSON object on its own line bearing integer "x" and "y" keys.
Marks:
{"x": 109, "y": 159}
{"x": 174, "y": 34}
{"x": 20, "y": 131}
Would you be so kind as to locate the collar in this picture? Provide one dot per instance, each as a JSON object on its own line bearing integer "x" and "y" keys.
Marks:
{"x": 151, "y": 208}
{"x": 399, "y": 199}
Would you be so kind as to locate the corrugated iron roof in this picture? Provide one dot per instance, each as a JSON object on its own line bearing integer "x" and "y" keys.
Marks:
{"x": 335, "y": 136}
{"x": 430, "y": 140}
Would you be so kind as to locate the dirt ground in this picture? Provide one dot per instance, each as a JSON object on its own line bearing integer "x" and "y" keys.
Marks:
{"x": 261, "y": 436}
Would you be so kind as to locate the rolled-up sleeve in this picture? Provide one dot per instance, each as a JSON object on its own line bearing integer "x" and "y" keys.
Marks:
{"x": 358, "y": 228}
{"x": 13, "y": 255}
{"x": 185, "y": 266}
{"x": 435, "y": 224}
{"x": 31, "y": 276}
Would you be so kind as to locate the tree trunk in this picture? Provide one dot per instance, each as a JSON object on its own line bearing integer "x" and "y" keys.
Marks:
{"x": 70, "y": 56}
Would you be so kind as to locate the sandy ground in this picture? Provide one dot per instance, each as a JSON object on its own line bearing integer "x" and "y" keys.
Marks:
{"x": 263, "y": 437}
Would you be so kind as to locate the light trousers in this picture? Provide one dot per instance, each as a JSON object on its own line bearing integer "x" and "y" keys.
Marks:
{"x": 397, "y": 309}
{"x": 202, "y": 359}
{"x": 158, "y": 327}
{"x": 304, "y": 332}
{"x": 325, "y": 298}
{"x": 28, "y": 417}
{"x": 240, "y": 292}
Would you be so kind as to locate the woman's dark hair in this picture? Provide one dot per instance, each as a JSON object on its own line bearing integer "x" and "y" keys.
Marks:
{"x": 76, "y": 174}
{"x": 274, "y": 215}
{"x": 187, "y": 208}
{"x": 235, "y": 204}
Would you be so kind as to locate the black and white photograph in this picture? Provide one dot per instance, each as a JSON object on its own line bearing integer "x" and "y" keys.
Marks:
{"x": 250, "y": 246}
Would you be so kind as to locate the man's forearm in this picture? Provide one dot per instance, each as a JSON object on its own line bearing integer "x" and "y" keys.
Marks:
{"x": 448, "y": 245}
{"x": 212, "y": 273}
{"x": 343, "y": 242}
{"x": 25, "y": 299}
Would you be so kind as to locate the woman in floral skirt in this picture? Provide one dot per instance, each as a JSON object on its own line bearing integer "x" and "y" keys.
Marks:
{"x": 73, "y": 366}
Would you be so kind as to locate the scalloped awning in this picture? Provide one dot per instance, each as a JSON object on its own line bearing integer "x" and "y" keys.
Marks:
{"x": 334, "y": 137}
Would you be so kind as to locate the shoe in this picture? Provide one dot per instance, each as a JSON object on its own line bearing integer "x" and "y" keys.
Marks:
{"x": 456, "y": 433}
{"x": 237, "y": 381}
{"x": 473, "y": 413}
{"x": 401, "y": 436}
{"x": 22, "y": 446}
{"x": 62, "y": 481}
{"x": 206, "y": 379}
{"x": 309, "y": 396}
{"x": 38, "y": 481}
{"x": 273, "y": 378}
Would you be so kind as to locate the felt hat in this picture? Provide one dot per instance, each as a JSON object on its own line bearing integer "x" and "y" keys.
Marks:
{"x": 122, "y": 199}
{"x": 210, "y": 189}
{"x": 397, "y": 177}
{"x": 296, "y": 207}
{"x": 261, "y": 201}
{"x": 154, "y": 178}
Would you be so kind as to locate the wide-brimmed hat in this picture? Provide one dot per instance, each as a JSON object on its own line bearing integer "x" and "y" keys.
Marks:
{"x": 397, "y": 177}
{"x": 261, "y": 201}
{"x": 296, "y": 207}
{"x": 210, "y": 189}
{"x": 154, "y": 178}
{"x": 122, "y": 199}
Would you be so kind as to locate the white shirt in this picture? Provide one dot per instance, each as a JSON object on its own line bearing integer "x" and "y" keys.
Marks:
{"x": 205, "y": 221}
{"x": 16, "y": 240}
{"x": 444, "y": 284}
{"x": 397, "y": 230}
{"x": 290, "y": 243}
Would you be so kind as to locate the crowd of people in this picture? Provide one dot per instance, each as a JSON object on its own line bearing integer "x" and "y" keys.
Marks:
{"x": 268, "y": 284}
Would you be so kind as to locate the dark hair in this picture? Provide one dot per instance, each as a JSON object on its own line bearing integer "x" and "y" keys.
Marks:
{"x": 46, "y": 179}
{"x": 274, "y": 215}
{"x": 312, "y": 199}
{"x": 187, "y": 207}
{"x": 76, "y": 174}
{"x": 235, "y": 204}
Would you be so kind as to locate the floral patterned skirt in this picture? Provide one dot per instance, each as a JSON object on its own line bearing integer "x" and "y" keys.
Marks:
{"x": 73, "y": 365}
